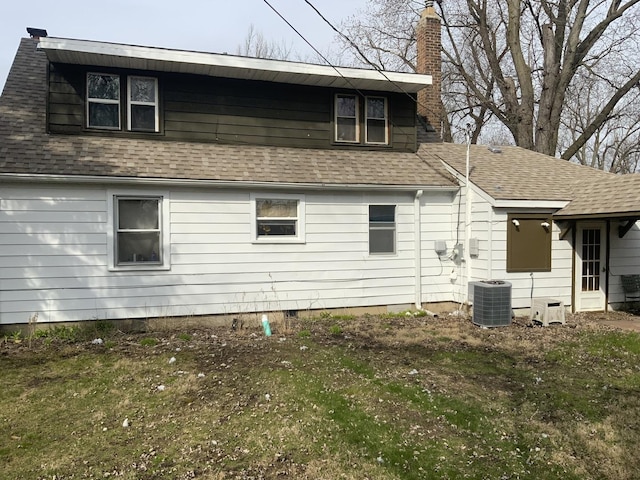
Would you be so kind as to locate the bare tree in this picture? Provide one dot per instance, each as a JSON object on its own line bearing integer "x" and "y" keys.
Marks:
{"x": 516, "y": 62}
{"x": 256, "y": 45}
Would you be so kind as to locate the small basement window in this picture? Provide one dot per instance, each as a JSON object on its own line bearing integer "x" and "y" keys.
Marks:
{"x": 529, "y": 243}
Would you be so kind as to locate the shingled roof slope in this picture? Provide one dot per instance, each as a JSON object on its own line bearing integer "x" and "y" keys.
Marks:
{"x": 25, "y": 148}
{"x": 614, "y": 196}
{"x": 516, "y": 173}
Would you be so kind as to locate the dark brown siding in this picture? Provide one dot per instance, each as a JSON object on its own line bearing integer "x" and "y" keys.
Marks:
{"x": 204, "y": 109}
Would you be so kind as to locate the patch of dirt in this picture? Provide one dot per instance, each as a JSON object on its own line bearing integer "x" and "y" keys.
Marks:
{"x": 247, "y": 345}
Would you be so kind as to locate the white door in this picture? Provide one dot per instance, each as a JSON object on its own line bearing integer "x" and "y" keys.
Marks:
{"x": 591, "y": 271}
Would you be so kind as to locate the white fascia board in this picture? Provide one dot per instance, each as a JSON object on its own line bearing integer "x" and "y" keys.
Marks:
{"x": 185, "y": 61}
{"x": 172, "y": 182}
{"x": 532, "y": 204}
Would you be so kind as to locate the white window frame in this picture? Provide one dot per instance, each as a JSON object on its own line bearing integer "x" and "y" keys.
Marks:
{"x": 148, "y": 104}
{"x": 163, "y": 222}
{"x": 383, "y": 226}
{"x": 104, "y": 101}
{"x": 367, "y": 118}
{"x": 300, "y": 219}
{"x": 356, "y": 118}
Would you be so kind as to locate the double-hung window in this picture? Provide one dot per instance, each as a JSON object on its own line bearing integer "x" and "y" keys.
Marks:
{"x": 138, "y": 230}
{"x": 105, "y": 103}
{"x": 354, "y": 114}
{"x": 139, "y": 235}
{"x": 382, "y": 229}
{"x": 103, "y": 100}
{"x": 347, "y": 124}
{"x": 143, "y": 104}
{"x": 376, "y": 120}
{"x": 278, "y": 219}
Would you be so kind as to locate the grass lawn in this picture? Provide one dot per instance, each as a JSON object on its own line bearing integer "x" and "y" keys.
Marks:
{"x": 393, "y": 397}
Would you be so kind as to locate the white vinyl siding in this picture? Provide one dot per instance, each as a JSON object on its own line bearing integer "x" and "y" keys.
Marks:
{"x": 489, "y": 225}
{"x": 56, "y": 256}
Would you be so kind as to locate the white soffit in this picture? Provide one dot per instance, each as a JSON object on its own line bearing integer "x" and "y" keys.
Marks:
{"x": 85, "y": 52}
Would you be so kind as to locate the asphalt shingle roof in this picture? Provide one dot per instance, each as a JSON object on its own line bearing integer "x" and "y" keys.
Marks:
{"x": 519, "y": 174}
{"x": 25, "y": 148}
{"x": 516, "y": 173}
{"x": 512, "y": 174}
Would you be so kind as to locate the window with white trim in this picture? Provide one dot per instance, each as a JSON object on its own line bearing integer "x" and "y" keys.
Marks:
{"x": 278, "y": 218}
{"x": 382, "y": 229}
{"x": 103, "y": 100}
{"x": 143, "y": 104}
{"x": 347, "y": 124}
{"x": 140, "y": 235}
{"x": 376, "y": 120}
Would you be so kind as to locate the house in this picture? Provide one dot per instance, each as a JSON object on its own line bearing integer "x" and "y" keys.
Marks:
{"x": 140, "y": 182}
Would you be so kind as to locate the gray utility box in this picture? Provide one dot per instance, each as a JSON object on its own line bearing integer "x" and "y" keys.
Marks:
{"x": 491, "y": 301}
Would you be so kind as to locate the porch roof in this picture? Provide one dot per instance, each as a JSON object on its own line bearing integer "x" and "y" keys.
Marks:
{"x": 509, "y": 173}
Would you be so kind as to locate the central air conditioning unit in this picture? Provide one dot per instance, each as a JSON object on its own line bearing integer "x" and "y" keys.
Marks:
{"x": 491, "y": 301}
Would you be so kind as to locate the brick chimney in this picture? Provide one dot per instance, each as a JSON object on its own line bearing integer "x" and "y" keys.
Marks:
{"x": 429, "y": 61}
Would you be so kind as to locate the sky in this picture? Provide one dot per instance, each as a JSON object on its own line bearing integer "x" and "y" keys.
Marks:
{"x": 210, "y": 26}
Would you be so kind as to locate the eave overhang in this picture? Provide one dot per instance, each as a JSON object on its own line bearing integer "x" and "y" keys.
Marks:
{"x": 204, "y": 183}
{"x": 623, "y": 215}
{"x": 114, "y": 55}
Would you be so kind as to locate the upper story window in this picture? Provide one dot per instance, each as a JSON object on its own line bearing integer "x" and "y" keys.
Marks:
{"x": 376, "y": 120}
{"x": 104, "y": 102}
{"x": 347, "y": 124}
{"x": 348, "y": 119}
{"x": 143, "y": 104}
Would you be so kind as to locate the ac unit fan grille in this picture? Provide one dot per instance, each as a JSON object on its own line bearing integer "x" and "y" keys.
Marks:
{"x": 491, "y": 303}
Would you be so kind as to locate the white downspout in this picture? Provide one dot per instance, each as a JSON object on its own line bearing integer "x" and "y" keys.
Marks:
{"x": 467, "y": 219}
{"x": 418, "y": 248}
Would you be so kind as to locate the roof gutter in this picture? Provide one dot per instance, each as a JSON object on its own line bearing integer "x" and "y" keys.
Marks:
{"x": 197, "y": 183}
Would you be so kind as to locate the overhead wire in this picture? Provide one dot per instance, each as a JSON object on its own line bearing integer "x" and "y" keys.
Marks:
{"x": 361, "y": 53}
{"x": 350, "y": 42}
{"x": 354, "y": 45}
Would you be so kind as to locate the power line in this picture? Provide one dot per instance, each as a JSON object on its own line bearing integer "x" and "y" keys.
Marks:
{"x": 364, "y": 57}
{"x": 402, "y": 90}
